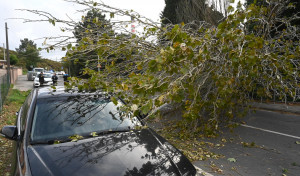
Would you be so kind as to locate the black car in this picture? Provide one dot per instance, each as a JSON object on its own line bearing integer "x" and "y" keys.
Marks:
{"x": 70, "y": 133}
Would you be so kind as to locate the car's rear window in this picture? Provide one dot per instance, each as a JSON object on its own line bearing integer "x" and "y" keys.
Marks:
{"x": 47, "y": 75}
{"x": 39, "y": 70}
{"x": 64, "y": 116}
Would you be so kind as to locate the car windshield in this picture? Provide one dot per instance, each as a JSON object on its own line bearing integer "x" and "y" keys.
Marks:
{"x": 58, "y": 118}
{"x": 47, "y": 75}
{"x": 38, "y": 70}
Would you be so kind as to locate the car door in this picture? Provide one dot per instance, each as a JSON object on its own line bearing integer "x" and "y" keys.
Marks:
{"x": 16, "y": 143}
{"x": 20, "y": 159}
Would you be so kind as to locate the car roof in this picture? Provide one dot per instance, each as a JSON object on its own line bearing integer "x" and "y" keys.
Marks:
{"x": 47, "y": 92}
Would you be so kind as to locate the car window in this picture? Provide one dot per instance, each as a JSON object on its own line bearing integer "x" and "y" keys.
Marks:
{"x": 39, "y": 70}
{"x": 24, "y": 112}
{"x": 47, "y": 75}
{"x": 61, "y": 117}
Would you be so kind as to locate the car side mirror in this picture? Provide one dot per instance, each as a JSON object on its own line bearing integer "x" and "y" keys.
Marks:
{"x": 9, "y": 132}
{"x": 17, "y": 113}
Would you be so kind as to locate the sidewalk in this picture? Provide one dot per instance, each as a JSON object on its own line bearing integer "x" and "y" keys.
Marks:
{"x": 3, "y": 72}
{"x": 290, "y": 108}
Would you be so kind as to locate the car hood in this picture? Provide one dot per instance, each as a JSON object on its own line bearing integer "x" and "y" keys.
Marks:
{"x": 45, "y": 79}
{"x": 141, "y": 152}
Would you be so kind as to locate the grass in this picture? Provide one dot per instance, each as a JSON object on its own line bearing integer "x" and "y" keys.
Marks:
{"x": 14, "y": 101}
{"x": 24, "y": 71}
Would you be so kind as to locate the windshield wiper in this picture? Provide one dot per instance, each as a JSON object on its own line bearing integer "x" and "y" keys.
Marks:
{"x": 49, "y": 141}
{"x": 113, "y": 131}
{"x": 100, "y": 133}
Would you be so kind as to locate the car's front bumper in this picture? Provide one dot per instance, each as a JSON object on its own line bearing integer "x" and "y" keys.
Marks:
{"x": 37, "y": 84}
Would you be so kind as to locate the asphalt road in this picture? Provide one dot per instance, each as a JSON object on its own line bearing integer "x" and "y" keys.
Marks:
{"x": 23, "y": 84}
{"x": 274, "y": 149}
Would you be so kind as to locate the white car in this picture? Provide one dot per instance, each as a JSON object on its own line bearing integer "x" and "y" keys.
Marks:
{"x": 47, "y": 79}
{"x": 60, "y": 73}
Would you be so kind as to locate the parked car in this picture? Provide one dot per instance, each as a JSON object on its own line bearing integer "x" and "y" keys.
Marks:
{"x": 49, "y": 72}
{"x": 32, "y": 74}
{"x": 60, "y": 73}
{"x": 47, "y": 80}
{"x": 71, "y": 133}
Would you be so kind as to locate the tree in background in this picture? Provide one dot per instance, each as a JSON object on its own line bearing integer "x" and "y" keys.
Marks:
{"x": 94, "y": 22}
{"x": 290, "y": 11}
{"x": 49, "y": 64}
{"x": 177, "y": 11}
{"x": 13, "y": 59}
{"x": 256, "y": 2}
{"x": 168, "y": 15}
{"x": 28, "y": 52}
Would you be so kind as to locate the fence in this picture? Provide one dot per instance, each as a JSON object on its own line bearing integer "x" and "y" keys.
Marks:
{"x": 4, "y": 88}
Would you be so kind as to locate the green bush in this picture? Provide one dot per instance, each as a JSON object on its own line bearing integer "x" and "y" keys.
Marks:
{"x": 13, "y": 59}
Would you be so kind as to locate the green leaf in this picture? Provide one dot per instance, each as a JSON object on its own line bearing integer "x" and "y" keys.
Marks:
{"x": 114, "y": 100}
{"x": 112, "y": 15}
{"x": 94, "y": 134}
{"x": 146, "y": 108}
{"x": 230, "y": 9}
{"x": 75, "y": 138}
{"x": 69, "y": 46}
{"x": 52, "y": 22}
{"x": 231, "y": 160}
{"x": 297, "y": 142}
{"x": 56, "y": 142}
{"x": 184, "y": 70}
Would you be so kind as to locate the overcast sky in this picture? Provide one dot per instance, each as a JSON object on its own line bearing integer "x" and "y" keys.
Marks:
{"x": 36, "y": 31}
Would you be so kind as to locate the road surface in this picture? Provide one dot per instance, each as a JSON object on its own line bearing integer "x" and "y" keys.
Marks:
{"x": 267, "y": 144}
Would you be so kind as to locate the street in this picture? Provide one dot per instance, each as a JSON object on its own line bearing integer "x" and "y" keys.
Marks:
{"x": 266, "y": 145}
{"x": 24, "y": 85}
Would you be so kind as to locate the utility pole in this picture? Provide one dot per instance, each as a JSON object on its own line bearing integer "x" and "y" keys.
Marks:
{"x": 7, "y": 54}
{"x": 4, "y": 51}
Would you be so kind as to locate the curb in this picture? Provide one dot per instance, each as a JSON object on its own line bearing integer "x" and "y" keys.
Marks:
{"x": 202, "y": 172}
{"x": 295, "y": 109}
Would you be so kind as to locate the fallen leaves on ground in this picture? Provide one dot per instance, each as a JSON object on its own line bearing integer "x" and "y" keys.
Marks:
{"x": 231, "y": 160}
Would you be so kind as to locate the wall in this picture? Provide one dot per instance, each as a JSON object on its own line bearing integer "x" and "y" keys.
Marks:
{"x": 15, "y": 72}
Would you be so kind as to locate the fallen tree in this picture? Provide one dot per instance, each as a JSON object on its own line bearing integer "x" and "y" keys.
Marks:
{"x": 208, "y": 72}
